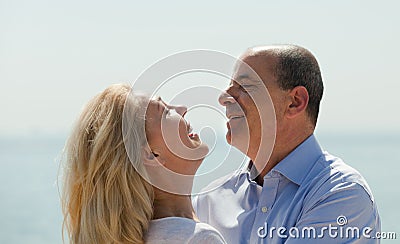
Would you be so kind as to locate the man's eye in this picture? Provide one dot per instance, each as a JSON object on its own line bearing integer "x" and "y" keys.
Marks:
{"x": 246, "y": 86}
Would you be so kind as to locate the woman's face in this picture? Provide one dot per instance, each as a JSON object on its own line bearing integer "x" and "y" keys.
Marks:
{"x": 171, "y": 139}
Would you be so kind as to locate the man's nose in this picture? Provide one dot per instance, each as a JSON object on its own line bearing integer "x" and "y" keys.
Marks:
{"x": 181, "y": 110}
{"x": 225, "y": 98}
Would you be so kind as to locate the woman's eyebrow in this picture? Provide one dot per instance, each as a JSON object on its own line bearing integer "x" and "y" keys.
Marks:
{"x": 158, "y": 99}
{"x": 160, "y": 108}
{"x": 162, "y": 101}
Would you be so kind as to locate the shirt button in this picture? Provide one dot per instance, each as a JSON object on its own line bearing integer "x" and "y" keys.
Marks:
{"x": 264, "y": 209}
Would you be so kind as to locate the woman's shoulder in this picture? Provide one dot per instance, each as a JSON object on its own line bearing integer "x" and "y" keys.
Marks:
{"x": 205, "y": 233}
{"x": 181, "y": 230}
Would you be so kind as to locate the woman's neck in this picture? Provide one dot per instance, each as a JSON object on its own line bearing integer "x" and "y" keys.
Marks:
{"x": 171, "y": 205}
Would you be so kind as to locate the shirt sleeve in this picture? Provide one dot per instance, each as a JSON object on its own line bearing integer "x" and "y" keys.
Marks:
{"x": 344, "y": 214}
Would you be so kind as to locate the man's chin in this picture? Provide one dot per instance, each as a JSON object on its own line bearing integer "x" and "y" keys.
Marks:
{"x": 238, "y": 141}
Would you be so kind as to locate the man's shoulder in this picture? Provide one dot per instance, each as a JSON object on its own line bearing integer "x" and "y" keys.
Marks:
{"x": 332, "y": 175}
{"x": 334, "y": 191}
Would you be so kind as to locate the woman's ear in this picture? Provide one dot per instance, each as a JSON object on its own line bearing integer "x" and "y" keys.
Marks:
{"x": 150, "y": 158}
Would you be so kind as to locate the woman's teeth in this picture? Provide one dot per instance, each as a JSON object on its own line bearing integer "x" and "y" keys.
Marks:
{"x": 193, "y": 136}
{"x": 190, "y": 131}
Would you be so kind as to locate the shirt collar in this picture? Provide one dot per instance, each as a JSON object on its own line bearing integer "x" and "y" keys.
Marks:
{"x": 297, "y": 164}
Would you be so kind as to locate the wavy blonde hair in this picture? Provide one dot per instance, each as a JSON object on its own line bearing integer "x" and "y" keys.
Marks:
{"x": 104, "y": 198}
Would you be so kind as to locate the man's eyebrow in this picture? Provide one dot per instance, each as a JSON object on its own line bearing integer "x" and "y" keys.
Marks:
{"x": 241, "y": 77}
{"x": 246, "y": 76}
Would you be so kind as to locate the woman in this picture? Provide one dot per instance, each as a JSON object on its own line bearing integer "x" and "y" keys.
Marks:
{"x": 107, "y": 197}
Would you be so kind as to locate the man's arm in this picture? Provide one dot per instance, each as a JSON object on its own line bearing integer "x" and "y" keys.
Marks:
{"x": 344, "y": 214}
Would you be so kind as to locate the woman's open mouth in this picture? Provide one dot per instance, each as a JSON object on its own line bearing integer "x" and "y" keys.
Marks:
{"x": 191, "y": 135}
{"x": 189, "y": 127}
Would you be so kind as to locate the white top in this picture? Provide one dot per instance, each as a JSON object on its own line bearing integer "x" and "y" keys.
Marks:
{"x": 181, "y": 230}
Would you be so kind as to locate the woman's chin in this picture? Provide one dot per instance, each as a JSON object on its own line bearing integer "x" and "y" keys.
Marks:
{"x": 202, "y": 150}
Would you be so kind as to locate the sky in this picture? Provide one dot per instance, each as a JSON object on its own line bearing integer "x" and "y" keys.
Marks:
{"x": 56, "y": 55}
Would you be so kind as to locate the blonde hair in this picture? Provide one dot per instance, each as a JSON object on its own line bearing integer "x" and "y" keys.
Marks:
{"x": 105, "y": 199}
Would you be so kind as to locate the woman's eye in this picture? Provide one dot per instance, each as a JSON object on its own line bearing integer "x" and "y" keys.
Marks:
{"x": 167, "y": 112}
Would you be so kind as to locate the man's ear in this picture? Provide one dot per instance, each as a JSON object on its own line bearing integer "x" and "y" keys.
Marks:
{"x": 298, "y": 101}
{"x": 149, "y": 157}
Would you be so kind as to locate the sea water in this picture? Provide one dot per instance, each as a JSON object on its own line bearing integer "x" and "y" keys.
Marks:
{"x": 30, "y": 210}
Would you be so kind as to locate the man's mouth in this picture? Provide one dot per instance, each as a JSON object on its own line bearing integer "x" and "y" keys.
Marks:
{"x": 232, "y": 119}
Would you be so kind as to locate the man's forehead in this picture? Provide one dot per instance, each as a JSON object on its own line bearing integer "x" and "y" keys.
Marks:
{"x": 255, "y": 68}
{"x": 241, "y": 76}
{"x": 244, "y": 70}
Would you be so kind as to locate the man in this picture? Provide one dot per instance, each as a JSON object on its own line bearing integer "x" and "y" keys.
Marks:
{"x": 293, "y": 192}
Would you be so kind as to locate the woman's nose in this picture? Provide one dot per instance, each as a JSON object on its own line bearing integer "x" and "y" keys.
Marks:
{"x": 180, "y": 109}
{"x": 225, "y": 99}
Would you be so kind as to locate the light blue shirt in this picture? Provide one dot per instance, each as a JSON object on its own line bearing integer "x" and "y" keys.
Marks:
{"x": 308, "y": 197}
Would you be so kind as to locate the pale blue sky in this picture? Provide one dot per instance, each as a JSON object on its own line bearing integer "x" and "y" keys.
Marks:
{"x": 55, "y": 55}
